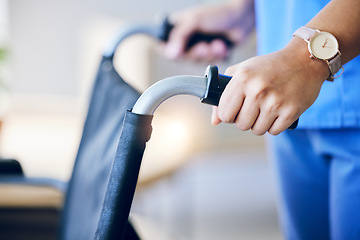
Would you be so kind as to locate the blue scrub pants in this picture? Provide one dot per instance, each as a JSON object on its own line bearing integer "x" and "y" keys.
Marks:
{"x": 318, "y": 176}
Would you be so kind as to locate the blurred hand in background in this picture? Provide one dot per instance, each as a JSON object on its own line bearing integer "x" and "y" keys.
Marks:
{"x": 235, "y": 20}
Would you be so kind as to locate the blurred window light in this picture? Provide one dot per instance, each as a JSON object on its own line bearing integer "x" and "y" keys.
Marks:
{"x": 169, "y": 147}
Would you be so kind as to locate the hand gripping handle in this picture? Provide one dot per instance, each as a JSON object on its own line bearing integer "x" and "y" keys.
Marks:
{"x": 216, "y": 85}
{"x": 195, "y": 38}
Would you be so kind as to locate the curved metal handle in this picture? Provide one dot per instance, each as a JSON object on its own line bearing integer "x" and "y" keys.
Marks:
{"x": 149, "y": 101}
{"x": 158, "y": 31}
{"x": 216, "y": 84}
{"x": 153, "y": 30}
{"x": 208, "y": 88}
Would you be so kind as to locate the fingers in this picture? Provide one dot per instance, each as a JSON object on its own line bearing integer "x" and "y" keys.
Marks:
{"x": 248, "y": 115}
{"x": 263, "y": 123}
{"x": 215, "y": 120}
{"x": 280, "y": 125}
{"x": 176, "y": 47}
{"x": 216, "y": 50}
{"x": 178, "y": 38}
{"x": 219, "y": 50}
{"x": 208, "y": 52}
{"x": 231, "y": 102}
{"x": 250, "y": 105}
{"x": 251, "y": 116}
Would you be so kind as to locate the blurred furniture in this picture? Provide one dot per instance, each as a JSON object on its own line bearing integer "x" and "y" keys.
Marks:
{"x": 37, "y": 217}
{"x": 27, "y": 211}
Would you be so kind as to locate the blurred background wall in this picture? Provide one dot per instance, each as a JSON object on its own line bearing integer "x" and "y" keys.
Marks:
{"x": 53, "y": 50}
{"x": 53, "y": 53}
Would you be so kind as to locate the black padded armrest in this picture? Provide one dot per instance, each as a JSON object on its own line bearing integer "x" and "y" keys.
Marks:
{"x": 10, "y": 167}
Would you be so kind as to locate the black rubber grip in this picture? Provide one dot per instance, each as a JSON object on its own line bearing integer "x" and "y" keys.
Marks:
{"x": 195, "y": 38}
{"x": 216, "y": 85}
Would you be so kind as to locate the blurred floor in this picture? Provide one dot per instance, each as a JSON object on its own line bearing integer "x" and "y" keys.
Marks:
{"x": 221, "y": 195}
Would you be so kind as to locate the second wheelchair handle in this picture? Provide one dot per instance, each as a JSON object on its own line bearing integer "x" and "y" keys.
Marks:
{"x": 197, "y": 37}
{"x": 216, "y": 85}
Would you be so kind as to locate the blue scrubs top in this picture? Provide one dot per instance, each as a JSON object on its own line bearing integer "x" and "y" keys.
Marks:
{"x": 338, "y": 104}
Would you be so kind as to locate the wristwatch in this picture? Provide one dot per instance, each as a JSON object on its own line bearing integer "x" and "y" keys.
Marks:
{"x": 323, "y": 46}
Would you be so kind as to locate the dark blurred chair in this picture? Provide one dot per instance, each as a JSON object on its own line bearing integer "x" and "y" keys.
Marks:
{"x": 84, "y": 194}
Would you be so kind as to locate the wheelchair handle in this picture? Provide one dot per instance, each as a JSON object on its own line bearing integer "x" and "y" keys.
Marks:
{"x": 208, "y": 88}
{"x": 197, "y": 37}
{"x": 158, "y": 31}
{"x": 216, "y": 85}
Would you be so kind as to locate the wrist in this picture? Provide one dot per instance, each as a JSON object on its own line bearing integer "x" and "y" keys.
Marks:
{"x": 300, "y": 57}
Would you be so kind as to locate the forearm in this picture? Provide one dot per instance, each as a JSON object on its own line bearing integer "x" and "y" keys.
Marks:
{"x": 269, "y": 92}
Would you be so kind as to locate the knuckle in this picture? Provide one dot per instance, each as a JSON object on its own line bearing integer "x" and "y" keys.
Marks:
{"x": 261, "y": 90}
{"x": 259, "y": 94}
{"x": 239, "y": 72}
{"x": 245, "y": 72}
{"x": 246, "y": 76}
{"x": 226, "y": 120}
{"x": 225, "y": 117}
{"x": 274, "y": 105}
{"x": 291, "y": 114}
{"x": 230, "y": 70}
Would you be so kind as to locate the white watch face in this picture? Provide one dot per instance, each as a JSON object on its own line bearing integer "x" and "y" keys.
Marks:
{"x": 323, "y": 45}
